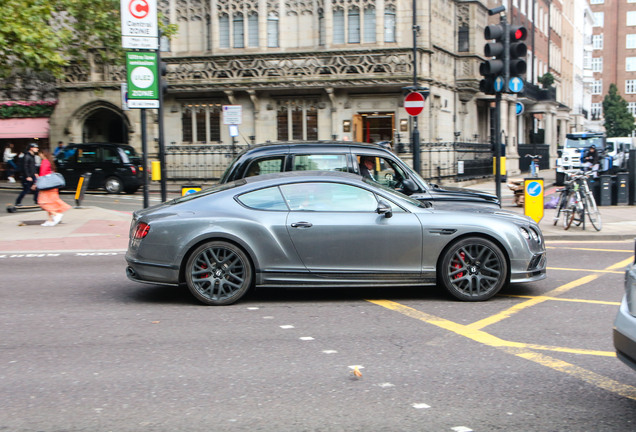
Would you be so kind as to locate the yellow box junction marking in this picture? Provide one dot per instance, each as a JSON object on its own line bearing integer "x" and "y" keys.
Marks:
{"x": 523, "y": 350}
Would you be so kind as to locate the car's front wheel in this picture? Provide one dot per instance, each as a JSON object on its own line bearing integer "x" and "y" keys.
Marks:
{"x": 473, "y": 269}
{"x": 113, "y": 185}
{"x": 218, "y": 273}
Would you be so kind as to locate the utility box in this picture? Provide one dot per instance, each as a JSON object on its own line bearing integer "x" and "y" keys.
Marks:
{"x": 605, "y": 194}
{"x": 622, "y": 189}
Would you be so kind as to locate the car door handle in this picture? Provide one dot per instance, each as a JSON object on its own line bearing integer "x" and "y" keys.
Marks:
{"x": 301, "y": 225}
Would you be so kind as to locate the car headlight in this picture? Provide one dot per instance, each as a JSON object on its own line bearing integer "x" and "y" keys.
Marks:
{"x": 525, "y": 233}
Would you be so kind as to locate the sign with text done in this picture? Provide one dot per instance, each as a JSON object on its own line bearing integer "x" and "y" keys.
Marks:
{"x": 143, "y": 85}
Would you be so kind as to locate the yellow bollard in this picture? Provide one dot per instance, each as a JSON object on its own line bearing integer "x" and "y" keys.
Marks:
{"x": 156, "y": 170}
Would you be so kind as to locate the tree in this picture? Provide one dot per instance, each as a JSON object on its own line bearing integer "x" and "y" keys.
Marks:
{"x": 45, "y": 36}
{"x": 546, "y": 80}
{"x": 618, "y": 120}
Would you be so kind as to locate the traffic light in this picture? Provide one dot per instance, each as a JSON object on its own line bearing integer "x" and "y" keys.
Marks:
{"x": 517, "y": 51}
{"x": 163, "y": 71}
{"x": 495, "y": 66}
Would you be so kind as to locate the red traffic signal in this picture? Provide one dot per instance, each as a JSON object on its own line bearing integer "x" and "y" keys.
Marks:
{"x": 518, "y": 33}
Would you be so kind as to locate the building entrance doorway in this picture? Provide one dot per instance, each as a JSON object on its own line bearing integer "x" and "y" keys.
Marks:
{"x": 374, "y": 127}
{"x": 105, "y": 125}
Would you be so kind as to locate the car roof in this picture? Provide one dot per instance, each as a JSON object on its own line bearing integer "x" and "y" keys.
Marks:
{"x": 304, "y": 175}
{"x": 288, "y": 145}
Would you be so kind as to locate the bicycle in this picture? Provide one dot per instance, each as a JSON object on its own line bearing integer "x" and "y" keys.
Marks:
{"x": 581, "y": 203}
{"x": 565, "y": 196}
{"x": 534, "y": 165}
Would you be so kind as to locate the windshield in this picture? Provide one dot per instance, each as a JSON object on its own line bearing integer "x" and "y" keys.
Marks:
{"x": 394, "y": 194}
{"x": 584, "y": 142}
{"x": 129, "y": 154}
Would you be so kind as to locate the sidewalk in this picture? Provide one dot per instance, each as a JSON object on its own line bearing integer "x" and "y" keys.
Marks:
{"x": 95, "y": 229}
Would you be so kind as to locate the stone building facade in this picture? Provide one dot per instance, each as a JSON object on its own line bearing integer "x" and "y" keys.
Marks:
{"x": 303, "y": 70}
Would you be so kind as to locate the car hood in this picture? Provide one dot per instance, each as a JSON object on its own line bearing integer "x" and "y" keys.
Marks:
{"x": 440, "y": 193}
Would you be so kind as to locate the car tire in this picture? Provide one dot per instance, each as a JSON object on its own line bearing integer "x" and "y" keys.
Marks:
{"x": 113, "y": 185}
{"x": 218, "y": 273}
{"x": 473, "y": 269}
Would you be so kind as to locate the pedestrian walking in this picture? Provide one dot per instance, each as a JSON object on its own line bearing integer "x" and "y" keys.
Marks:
{"x": 8, "y": 156}
{"x": 59, "y": 148}
{"x": 29, "y": 175}
{"x": 49, "y": 199}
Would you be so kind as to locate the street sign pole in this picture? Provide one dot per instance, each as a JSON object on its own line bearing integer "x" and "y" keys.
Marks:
{"x": 162, "y": 147}
{"x": 415, "y": 141}
{"x": 144, "y": 152}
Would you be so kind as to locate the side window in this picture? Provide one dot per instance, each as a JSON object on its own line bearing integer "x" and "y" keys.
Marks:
{"x": 265, "y": 166}
{"x": 67, "y": 155}
{"x": 264, "y": 199}
{"x": 87, "y": 155}
{"x": 382, "y": 170}
{"x": 328, "y": 197}
{"x": 110, "y": 155}
{"x": 320, "y": 162}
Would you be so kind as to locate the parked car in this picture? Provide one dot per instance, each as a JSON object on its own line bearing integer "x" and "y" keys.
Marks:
{"x": 390, "y": 170}
{"x": 625, "y": 323}
{"x": 113, "y": 167}
{"x": 323, "y": 228}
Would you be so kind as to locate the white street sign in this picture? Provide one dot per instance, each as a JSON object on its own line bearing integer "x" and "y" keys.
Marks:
{"x": 139, "y": 27}
{"x": 143, "y": 103}
{"x": 232, "y": 114}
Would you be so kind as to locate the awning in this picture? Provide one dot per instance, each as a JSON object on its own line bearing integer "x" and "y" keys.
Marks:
{"x": 24, "y": 128}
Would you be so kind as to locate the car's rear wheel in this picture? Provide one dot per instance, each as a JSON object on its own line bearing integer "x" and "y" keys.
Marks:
{"x": 473, "y": 269}
{"x": 113, "y": 185}
{"x": 218, "y": 273}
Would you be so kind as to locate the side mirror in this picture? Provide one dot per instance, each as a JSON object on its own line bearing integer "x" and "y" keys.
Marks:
{"x": 385, "y": 209}
{"x": 409, "y": 186}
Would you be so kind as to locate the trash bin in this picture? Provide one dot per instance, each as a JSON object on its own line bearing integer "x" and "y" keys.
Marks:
{"x": 605, "y": 193}
{"x": 622, "y": 189}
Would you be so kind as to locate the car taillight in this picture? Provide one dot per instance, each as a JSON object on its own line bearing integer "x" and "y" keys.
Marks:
{"x": 141, "y": 230}
{"x": 134, "y": 170}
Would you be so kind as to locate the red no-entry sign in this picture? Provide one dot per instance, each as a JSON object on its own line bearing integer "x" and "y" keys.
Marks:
{"x": 414, "y": 103}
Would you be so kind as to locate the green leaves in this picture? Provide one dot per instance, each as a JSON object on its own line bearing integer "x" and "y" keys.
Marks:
{"x": 619, "y": 121}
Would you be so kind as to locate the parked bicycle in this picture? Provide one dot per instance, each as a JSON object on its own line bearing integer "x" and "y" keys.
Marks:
{"x": 534, "y": 164}
{"x": 576, "y": 201}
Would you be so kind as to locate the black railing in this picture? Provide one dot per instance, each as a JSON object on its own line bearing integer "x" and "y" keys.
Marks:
{"x": 454, "y": 160}
{"x": 534, "y": 149}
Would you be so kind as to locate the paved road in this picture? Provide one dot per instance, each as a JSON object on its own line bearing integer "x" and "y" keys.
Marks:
{"x": 84, "y": 349}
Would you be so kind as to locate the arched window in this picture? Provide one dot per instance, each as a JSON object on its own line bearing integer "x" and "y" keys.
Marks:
{"x": 272, "y": 31}
{"x": 389, "y": 25}
{"x": 252, "y": 30}
{"x": 224, "y": 31}
{"x": 238, "y": 31}
{"x": 353, "y": 21}
{"x": 369, "y": 25}
{"x": 338, "y": 26}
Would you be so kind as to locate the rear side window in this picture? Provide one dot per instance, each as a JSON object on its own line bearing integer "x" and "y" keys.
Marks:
{"x": 264, "y": 199}
{"x": 265, "y": 166}
{"x": 320, "y": 162}
{"x": 87, "y": 155}
{"x": 110, "y": 155}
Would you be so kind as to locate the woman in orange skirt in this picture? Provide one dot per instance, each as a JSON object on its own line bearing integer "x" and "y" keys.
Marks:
{"x": 50, "y": 200}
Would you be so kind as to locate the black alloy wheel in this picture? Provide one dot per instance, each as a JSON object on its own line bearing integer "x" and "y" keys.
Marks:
{"x": 473, "y": 269}
{"x": 218, "y": 273}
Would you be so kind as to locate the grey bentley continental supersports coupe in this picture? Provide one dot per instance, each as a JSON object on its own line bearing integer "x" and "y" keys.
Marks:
{"x": 327, "y": 229}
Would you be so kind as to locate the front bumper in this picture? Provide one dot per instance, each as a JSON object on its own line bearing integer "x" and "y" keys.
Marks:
{"x": 625, "y": 335}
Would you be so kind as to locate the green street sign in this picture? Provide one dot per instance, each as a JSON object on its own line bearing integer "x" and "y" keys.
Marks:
{"x": 143, "y": 83}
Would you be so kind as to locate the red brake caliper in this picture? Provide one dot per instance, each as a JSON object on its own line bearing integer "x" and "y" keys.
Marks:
{"x": 458, "y": 265}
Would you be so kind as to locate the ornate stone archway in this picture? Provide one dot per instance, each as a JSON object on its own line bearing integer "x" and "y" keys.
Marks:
{"x": 99, "y": 121}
